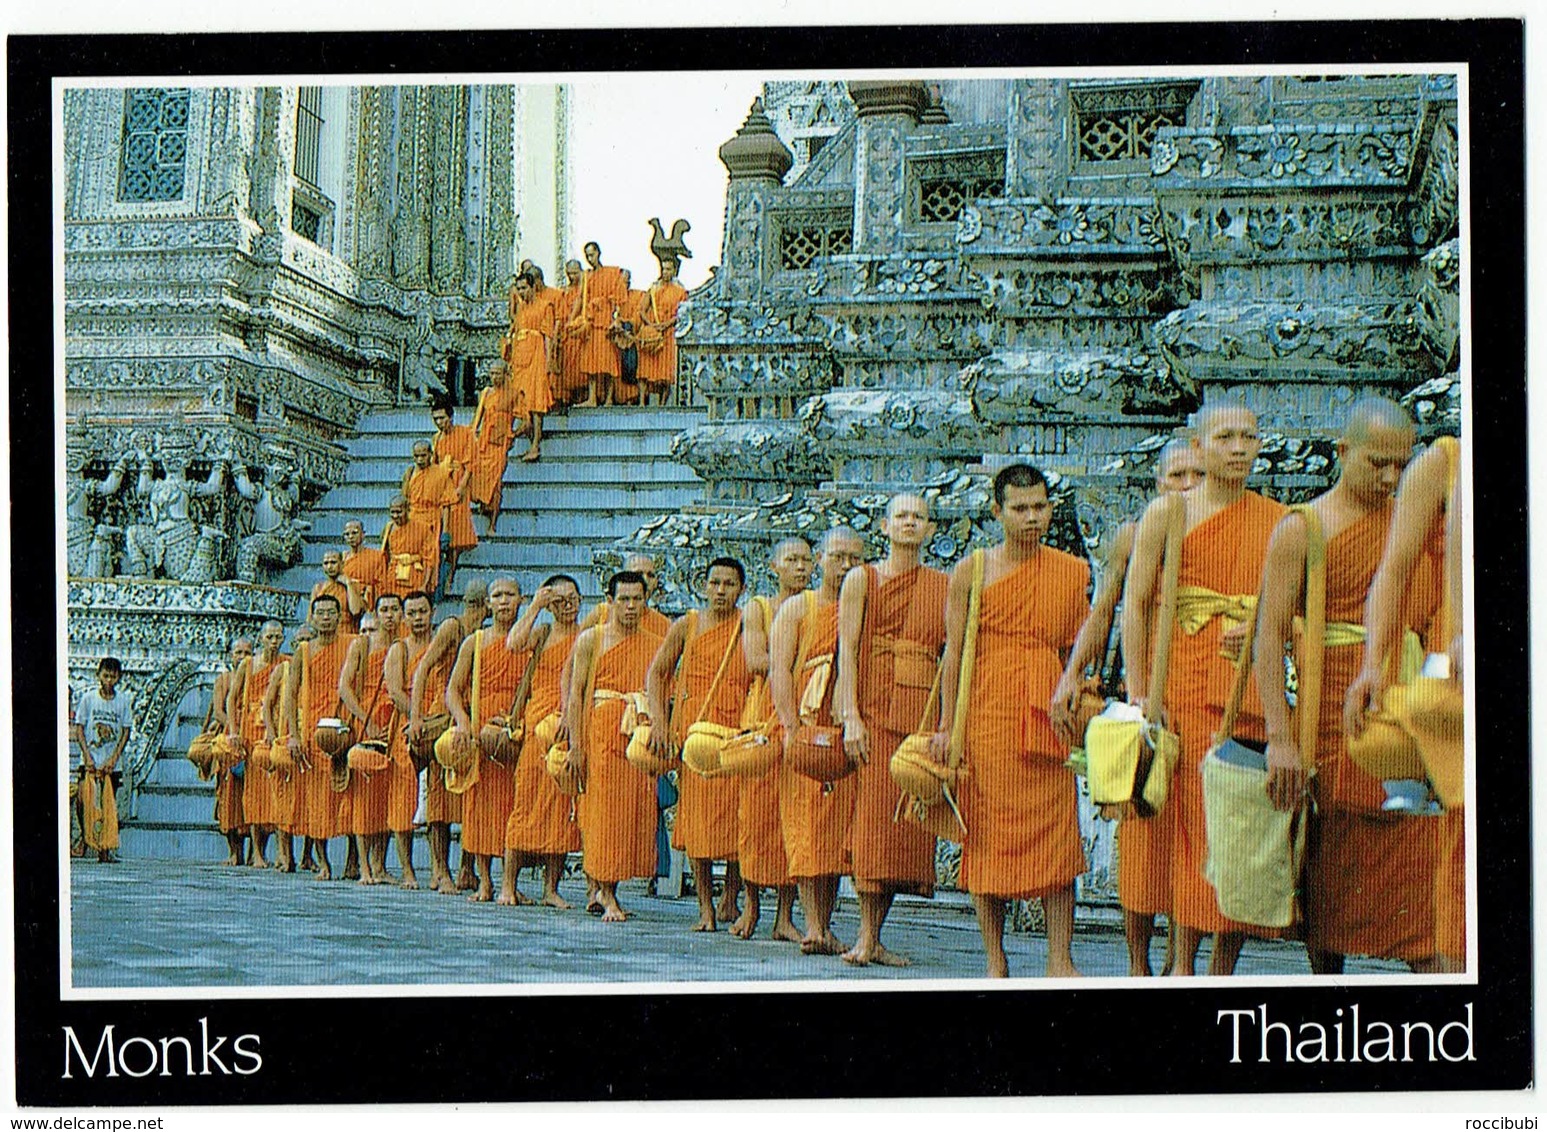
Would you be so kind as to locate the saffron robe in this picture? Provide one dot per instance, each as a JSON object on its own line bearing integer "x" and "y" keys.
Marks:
{"x": 603, "y": 291}
{"x": 348, "y": 623}
{"x": 440, "y": 804}
{"x": 412, "y": 554}
{"x": 526, "y": 356}
{"x": 542, "y": 820}
{"x": 707, "y": 823}
{"x": 630, "y": 309}
{"x": 285, "y": 782}
{"x": 429, "y": 490}
{"x": 617, "y": 811}
{"x": 760, "y": 837}
{"x": 318, "y": 700}
{"x": 370, "y": 794}
{"x": 572, "y": 327}
{"x": 652, "y": 621}
{"x": 402, "y": 777}
{"x": 230, "y": 814}
{"x": 258, "y": 802}
{"x": 1224, "y": 554}
{"x": 815, "y": 816}
{"x": 494, "y": 427}
{"x": 1369, "y": 876}
{"x": 890, "y": 855}
{"x": 487, "y": 804}
{"x": 456, "y": 448}
{"x": 1018, "y": 800}
{"x": 368, "y": 567}
{"x": 658, "y": 368}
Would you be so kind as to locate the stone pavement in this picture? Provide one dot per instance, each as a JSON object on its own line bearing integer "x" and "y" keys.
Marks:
{"x": 196, "y": 924}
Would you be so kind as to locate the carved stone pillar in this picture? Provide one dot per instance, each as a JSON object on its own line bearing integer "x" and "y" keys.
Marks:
{"x": 1038, "y": 147}
{"x": 366, "y": 242}
{"x": 757, "y": 161}
{"x": 887, "y": 111}
{"x": 411, "y": 215}
{"x": 448, "y": 137}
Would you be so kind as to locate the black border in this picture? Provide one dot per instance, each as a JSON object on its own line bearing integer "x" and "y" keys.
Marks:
{"x": 1140, "y": 1040}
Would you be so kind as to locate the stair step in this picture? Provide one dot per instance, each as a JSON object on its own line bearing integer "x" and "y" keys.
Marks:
{"x": 345, "y": 503}
{"x": 378, "y": 471}
{"x": 416, "y": 422}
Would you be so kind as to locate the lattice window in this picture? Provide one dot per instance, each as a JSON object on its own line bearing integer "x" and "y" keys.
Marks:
{"x": 1119, "y": 123}
{"x": 308, "y": 132}
{"x": 306, "y": 222}
{"x": 155, "y": 145}
{"x": 942, "y": 199}
{"x": 799, "y": 245}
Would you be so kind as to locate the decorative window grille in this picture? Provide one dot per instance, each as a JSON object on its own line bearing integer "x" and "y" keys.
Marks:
{"x": 155, "y": 145}
{"x": 799, "y": 244}
{"x": 940, "y": 187}
{"x": 306, "y": 222}
{"x": 308, "y": 133}
{"x": 1119, "y": 123}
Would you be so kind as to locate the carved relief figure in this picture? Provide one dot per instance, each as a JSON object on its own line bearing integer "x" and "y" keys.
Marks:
{"x": 275, "y": 543}
{"x": 166, "y": 542}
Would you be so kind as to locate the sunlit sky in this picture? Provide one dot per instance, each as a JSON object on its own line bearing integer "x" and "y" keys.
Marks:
{"x": 646, "y": 145}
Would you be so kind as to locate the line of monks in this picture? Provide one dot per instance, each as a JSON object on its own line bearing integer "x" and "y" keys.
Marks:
{"x": 877, "y": 651}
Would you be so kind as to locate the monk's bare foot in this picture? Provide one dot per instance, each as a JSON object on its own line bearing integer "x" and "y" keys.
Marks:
{"x": 259, "y": 863}
{"x": 409, "y": 880}
{"x": 784, "y": 931}
{"x": 467, "y": 881}
{"x": 727, "y": 911}
{"x": 531, "y": 456}
{"x": 231, "y": 859}
{"x": 446, "y": 886}
{"x": 554, "y": 900}
{"x": 363, "y": 878}
{"x": 483, "y": 894}
{"x": 998, "y": 968}
{"x": 705, "y": 924}
{"x": 862, "y": 955}
{"x": 744, "y": 926}
{"x": 324, "y": 873}
{"x": 352, "y": 872}
{"x": 824, "y": 944}
{"x": 613, "y": 912}
{"x": 1062, "y": 969}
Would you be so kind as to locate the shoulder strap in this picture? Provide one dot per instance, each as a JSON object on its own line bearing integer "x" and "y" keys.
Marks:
{"x": 524, "y": 689}
{"x": 472, "y": 708}
{"x": 807, "y": 628}
{"x": 1160, "y": 661}
{"x": 1243, "y": 667}
{"x": 714, "y": 687}
{"x": 590, "y": 686}
{"x": 1311, "y": 661}
{"x": 303, "y": 653}
{"x": 1445, "y": 620}
{"x": 957, "y": 750}
{"x": 385, "y": 531}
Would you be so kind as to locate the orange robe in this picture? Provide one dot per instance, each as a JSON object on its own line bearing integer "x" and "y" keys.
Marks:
{"x": 891, "y": 855}
{"x": 319, "y": 699}
{"x": 456, "y": 448}
{"x": 285, "y": 782}
{"x": 760, "y": 838}
{"x": 1225, "y": 554}
{"x": 542, "y": 820}
{"x": 706, "y": 826}
{"x": 428, "y": 490}
{"x": 1018, "y": 800}
{"x": 815, "y": 816}
{"x": 348, "y": 623}
{"x": 658, "y": 368}
{"x": 258, "y": 791}
{"x": 617, "y": 811}
{"x": 526, "y": 356}
{"x": 403, "y": 779}
{"x": 603, "y": 292}
{"x": 440, "y": 804}
{"x": 630, "y": 310}
{"x": 370, "y": 795}
{"x": 1369, "y": 876}
{"x": 570, "y": 385}
{"x": 488, "y": 802}
{"x": 494, "y": 426}
{"x": 368, "y": 566}
{"x": 412, "y": 554}
{"x": 230, "y": 815}
{"x": 652, "y": 621}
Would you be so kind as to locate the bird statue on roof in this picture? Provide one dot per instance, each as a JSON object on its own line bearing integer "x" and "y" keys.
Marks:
{"x": 663, "y": 246}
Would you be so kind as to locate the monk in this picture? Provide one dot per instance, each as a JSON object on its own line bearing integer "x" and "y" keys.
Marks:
{"x": 1018, "y": 800}
{"x": 481, "y": 691}
{"x": 366, "y": 565}
{"x": 1424, "y": 523}
{"x": 455, "y": 449}
{"x": 411, "y": 549}
{"x": 493, "y": 423}
{"x": 617, "y": 819}
{"x": 891, "y": 628}
{"x": 278, "y": 709}
{"x": 573, "y": 325}
{"x": 228, "y": 781}
{"x": 760, "y": 837}
{"x": 658, "y": 334}
{"x": 244, "y": 725}
{"x": 601, "y": 290}
{"x": 813, "y": 816}
{"x": 1226, "y": 540}
{"x": 652, "y": 620}
{"x": 624, "y": 333}
{"x": 699, "y": 647}
{"x": 312, "y": 694}
{"x": 542, "y": 826}
{"x": 431, "y": 493}
{"x": 442, "y": 808}
{"x": 362, "y": 689}
{"x": 529, "y": 350}
{"x": 403, "y": 781}
{"x": 347, "y": 590}
{"x": 1369, "y": 875}
{"x": 1143, "y": 844}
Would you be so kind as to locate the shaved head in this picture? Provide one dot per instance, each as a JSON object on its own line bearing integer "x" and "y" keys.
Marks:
{"x": 1214, "y": 409}
{"x": 840, "y": 534}
{"x": 906, "y": 497}
{"x": 476, "y": 593}
{"x": 789, "y": 544}
{"x": 639, "y": 563}
{"x": 1370, "y": 413}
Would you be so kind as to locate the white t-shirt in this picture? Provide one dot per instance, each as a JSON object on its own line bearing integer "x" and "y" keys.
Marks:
{"x": 103, "y": 721}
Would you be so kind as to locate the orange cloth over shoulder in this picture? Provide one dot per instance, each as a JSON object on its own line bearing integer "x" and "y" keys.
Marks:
{"x": 487, "y": 804}
{"x": 706, "y": 825}
{"x": 320, "y": 699}
{"x": 527, "y": 357}
{"x": 542, "y": 819}
{"x": 368, "y": 566}
{"x": 658, "y": 367}
{"x": 604, "y": 290}
{"x": 412, "y": 554}
{"x": 258, "y": 791}
{"x": 1018, "y": 800}
{"x": 402, "y": 778}
{"x": 493, "y": 424}
{"x": 429, "y": 490}
{"x": 456, "y": 449}
{"x": 370, "y": 794}
{"x": 815, "y": 817}
{"x": 440, "y": 804}
{"x": 760, "y": 838}
{"x": 617, "y": 810}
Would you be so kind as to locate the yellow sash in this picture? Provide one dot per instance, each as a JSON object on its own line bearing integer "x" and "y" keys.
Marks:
{"x": 1196, "y": 606}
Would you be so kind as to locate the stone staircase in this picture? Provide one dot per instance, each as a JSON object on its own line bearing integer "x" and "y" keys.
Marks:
{"x": 603, "y": 474}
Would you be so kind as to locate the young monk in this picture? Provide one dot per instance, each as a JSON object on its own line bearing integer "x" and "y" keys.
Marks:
{"x": 350, "y": 594}
{"x": 1426, "y": 521}
{"x": 362, "y": 689}
{"x": 278, "y": 709}
{"x": 493, "y": 426}
{"x": 542, "y": 825}
{"x": 1368, "y": 875}
{"x": 814, "y": 816}
{"x": 1226, "y": 540}
{"x": 442, "y": 808}
{"x": 530, "y": 349}
{"x": 411, "y": 550}
{"x": 1143, "y": 844}
{"x": 229, "y": 815}
{"x": 486, "y": 662}
{"x": 312, "y": 694}
{"x": 455, "y": 449}
{"x": 617, "y": 818}
{"x": 682, "y": 675}
{"x": 365, "y": 565}
{"x": 760, "y": 837}
{"x": 432, "y": 494}
{"x": 891, "y": 628}
{"x": 1018, "y": 800}
{"x": 244, "y": 724}
{"x": 403, "y": 662}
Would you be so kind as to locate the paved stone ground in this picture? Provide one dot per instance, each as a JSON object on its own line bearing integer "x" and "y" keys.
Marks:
{"x": 189, "y": 924}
